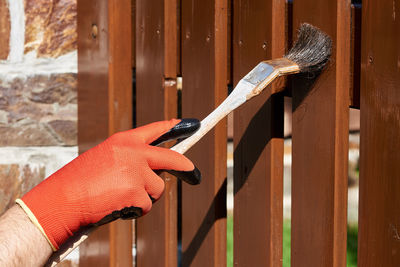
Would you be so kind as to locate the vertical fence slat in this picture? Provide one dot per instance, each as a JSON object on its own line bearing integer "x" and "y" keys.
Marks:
{"x": 156, "y": 52}
{"x": 204, "y": 74}
{"x": 379, "y": 217}
{"x": 105, "y": 79}
{"x": 320, "y": 144}
{"x": 259, "y": 34}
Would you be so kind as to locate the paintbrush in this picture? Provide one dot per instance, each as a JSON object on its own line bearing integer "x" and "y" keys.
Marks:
{"x": 310, "y": 53}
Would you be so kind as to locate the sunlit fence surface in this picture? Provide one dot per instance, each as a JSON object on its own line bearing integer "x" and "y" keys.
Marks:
{"x": 142, "y": 61}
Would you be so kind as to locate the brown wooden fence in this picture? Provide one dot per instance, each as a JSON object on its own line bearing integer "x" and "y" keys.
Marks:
{"x": 130, "y": 55}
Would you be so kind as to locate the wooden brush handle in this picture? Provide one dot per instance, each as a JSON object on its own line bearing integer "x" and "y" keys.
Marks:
{"x": 234, "y": 100}
{"x": 251, "y": 85}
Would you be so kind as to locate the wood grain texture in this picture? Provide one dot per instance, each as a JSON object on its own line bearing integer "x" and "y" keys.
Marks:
{"x": 379, "y": 219}
{"x": 320, "y": 143}
{"x": 105, "y": 107}
{"x": 156, "y": 61}
{"x": 204, "y": 72}
{"x": 259, "y": 34}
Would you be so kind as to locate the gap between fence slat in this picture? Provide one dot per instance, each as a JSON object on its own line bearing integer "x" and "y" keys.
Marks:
{"x": 355, "y": 56}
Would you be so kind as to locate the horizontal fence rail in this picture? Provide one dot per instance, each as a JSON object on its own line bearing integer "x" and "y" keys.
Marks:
{"x": 162, "y": 59}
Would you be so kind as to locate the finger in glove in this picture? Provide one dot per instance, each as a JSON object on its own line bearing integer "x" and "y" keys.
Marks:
{"x": 184, "y": 129}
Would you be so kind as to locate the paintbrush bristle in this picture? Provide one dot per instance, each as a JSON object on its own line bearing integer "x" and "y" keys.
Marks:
{"x": 312, "y": 49}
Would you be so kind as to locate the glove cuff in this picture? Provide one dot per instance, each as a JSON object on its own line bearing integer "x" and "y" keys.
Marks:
{"x": 34, "y": 220}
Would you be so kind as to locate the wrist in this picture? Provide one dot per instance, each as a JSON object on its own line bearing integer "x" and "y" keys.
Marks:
{"x": 21, "y": 242}
{"x": 32, "y": 218}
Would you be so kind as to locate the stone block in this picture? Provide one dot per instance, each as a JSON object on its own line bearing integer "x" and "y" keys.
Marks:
{"x": 39, "y": 111}
{"x": 16, "y": 180}
{"x": 32, "y": 134}
{"x": 4, "y": 30}
{"x": 59, "y": 89}
{"x": 50, "y": 27}
{"x": 67, "y": 131}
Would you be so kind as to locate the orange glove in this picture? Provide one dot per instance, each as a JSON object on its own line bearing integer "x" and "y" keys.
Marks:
{"x": 115, "y": 179}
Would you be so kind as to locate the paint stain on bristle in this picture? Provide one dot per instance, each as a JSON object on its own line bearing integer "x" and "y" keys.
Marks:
{"x": 312, "y": 49}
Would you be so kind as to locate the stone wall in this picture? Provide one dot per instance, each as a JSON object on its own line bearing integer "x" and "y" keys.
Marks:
{"x": 38, "y": 97}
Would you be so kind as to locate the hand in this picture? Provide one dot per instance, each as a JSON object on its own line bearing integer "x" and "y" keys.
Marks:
{"x": 115, "y": 179}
